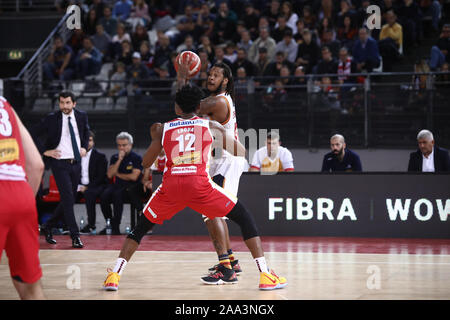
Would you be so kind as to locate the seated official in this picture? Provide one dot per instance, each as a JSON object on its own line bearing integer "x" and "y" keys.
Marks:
{"x": 93, "y": 181}
{"x": 273, "y": 157}
{"x": 125, "y": 168}
{"x": 340, "y": 158}
{"x": 429, "y": 157}
{"x": 139, "y": 193}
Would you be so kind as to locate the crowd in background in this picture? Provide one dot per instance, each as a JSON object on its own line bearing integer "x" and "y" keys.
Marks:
{"x": 256, "y": 38}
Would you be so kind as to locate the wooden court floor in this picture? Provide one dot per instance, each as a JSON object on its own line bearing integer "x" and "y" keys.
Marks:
{"x": 316, "y": 268}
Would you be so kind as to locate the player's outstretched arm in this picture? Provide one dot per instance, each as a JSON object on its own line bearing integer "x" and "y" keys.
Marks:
{"x": 34, "y": 166}
{"x": 152, "y": 152}
{"x": 225, "y": 140}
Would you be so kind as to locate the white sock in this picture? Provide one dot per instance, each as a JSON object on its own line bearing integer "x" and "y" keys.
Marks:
{"x": 261, "y": 264}
{"x": 120, "y": 266}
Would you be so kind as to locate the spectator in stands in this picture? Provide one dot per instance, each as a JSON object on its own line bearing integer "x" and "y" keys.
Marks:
{"x": 121, "y": 34}
{"x": 241, "y": 85}
{"x": 272, "y": 13}
{"x": 272, "y": 158}
{"x": 327, "y": 96}
{"x": 391, "y": 41}
{"x": 365, "y": 52}
{"x": 146, "y": 55}
{"x": 362, "y": 13}
{"x": 243, "y": 62}
{"x": 205, "y": 44}
{"x": 340, "y": 158}
{"x": 101, "y": 40}
{"x": 290, "y": 15}
{"x": 219, "y": 56}
{"x": 138, "y": 73}
{"x": 140, "y": 34}
{"x": 279, "y": 31}
{"x": 325, "y": 24}
{"x": 118, "y": 81}
{"x": 327, "y": 9}
{"x": 346, "y": 11}
{"x": 245, "y": 41}
{"x": 187, "y": 45}
{"x": 140, "y": 11}
{"x": 109, "y": 22}
{"x": 346, "y": 66}
{"x": 250, "y": 18}
{"x": 328, "y": 65}
{"x": 333, "y": 45}
{"x": 274, "y": 68}
{"x": 308, "y": 52}
{"x": 76, "y": 41}
{"x": 89, "y": 60}
{"x": 309, "y": 19}
{"x": 205, "y": 20}
{"x": 162, "y": 54}
{"x": 263, "y": 61}
{"x": 265, "y": 41}
{"x": 122, "y": 9}
{"x": 90, "y": 24}
{"x": 288, "y": 46}
{"x": 431, "y": 8}
{"x": 204, "y": 59}
{"x": 125, "y": 55}
{"x": 440, "y": 51}
{"x": 61, "y": 61}
{"x": 230, "y": 52}
{"x": 98, "y": 6}
{"x": 411, "y": 21}
{"x": 93, "y": 180}
{"x": 125, "y": 168}
{"x": 301, "y": 85}
{"x": 225, "y": 24}
{"x": 348, "y": 32}
{"x": 428, "y": 157}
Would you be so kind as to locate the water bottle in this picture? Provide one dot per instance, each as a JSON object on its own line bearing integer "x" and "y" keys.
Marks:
{"x": 108, "y": 226}
{"x": 127, "y": 230}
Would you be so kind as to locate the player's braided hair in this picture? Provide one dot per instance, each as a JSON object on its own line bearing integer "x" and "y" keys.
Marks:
{"x": 229, "y": 75}
{"x": 188, "y": 98}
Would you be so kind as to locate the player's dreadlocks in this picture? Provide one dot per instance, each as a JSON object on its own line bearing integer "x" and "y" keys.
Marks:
{"x": 188, "y": 98}
{"x": 228, "y": 75}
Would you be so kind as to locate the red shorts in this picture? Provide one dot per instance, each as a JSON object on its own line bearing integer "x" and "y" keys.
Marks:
{"x": 199, "y": 193}
{"x": 19, "y": 233}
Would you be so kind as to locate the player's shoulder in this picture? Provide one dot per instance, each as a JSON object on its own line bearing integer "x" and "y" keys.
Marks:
{"x": 262, "y": 151}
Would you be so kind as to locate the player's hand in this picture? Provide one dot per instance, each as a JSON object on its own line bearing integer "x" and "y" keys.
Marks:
{"x": 148, "y": 186}
{"x": 183, "y": 68}
{"x": 53, "y": 153}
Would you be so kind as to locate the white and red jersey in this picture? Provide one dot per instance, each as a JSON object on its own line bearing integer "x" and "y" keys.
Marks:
{"x": 12, "y": 157}
{"x": 187, "y": 144}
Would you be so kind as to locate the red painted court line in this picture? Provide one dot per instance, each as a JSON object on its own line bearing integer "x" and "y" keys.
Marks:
{"x": 270, "y": 244}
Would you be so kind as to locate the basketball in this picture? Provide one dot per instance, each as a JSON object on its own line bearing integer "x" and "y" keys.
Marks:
{"x": 195, "y": 62}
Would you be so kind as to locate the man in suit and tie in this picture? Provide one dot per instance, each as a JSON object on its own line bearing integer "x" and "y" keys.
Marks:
{"x": 67, "y": 132}
{"x": 93, "y": 180}
{"x": 428, "y": 158}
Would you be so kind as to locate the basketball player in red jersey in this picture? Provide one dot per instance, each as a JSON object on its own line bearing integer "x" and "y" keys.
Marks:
{"x": 225, "y": 169}
{"x": 187, "y": 143}
{"x": 21, "y": 169}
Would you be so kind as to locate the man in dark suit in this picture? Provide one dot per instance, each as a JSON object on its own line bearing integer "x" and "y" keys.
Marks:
{"x": 365, "y": 52}
{"x": 67, "y": 132}
{"x": 428, "y": 158}
{"x": 93, "y": 180}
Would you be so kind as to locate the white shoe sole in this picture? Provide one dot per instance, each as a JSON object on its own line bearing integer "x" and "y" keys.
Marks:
{"x": 110, "y": 288}
{"x": 218, "y": 282}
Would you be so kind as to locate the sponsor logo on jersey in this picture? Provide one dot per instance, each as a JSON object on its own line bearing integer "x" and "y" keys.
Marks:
{"x": 9, "y": 150}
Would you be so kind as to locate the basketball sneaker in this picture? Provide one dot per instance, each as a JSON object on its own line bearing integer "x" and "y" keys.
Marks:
{"x": 267, "y": 281}
{"x": 283, "y": 280}
{"x": 234, "y": 264}
{"x": 222, "y": 275}
{"x": 112, "y": 281}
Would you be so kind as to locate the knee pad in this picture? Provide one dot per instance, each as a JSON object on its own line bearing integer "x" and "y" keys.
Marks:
{"x": 144, "y": 225}
{"x": 244, "y": 219}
